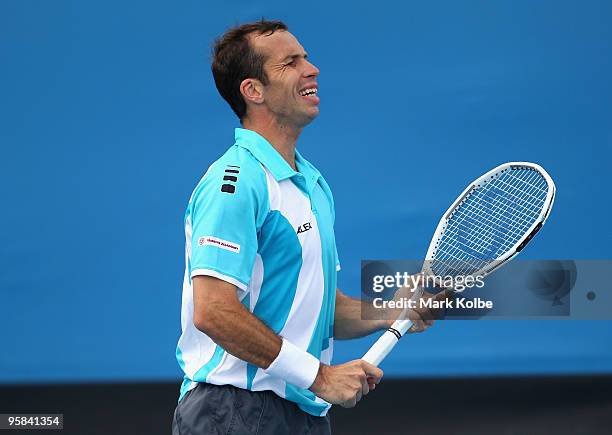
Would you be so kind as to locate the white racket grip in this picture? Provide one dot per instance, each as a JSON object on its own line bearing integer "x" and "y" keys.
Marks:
{"x": 386, "y": 342}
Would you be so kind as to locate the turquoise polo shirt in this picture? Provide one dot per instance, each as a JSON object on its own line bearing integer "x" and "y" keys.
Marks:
{"x": 255, "y": 222}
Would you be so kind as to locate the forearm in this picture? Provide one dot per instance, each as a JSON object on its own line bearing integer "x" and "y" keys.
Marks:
{"x": 348, "y": 321}
{"x": 218, "y": 313}
{"x": 242, "y": 334}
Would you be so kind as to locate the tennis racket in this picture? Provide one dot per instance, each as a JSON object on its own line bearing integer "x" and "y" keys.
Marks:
{"x": 487, "y": 225}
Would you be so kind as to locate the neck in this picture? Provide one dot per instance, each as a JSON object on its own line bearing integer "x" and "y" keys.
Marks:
{"x": 282, "y": 137}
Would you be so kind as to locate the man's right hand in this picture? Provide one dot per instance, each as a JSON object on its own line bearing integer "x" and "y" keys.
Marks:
{"x": 346, "y": 384}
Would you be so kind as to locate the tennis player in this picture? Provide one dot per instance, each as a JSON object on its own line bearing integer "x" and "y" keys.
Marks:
{"x": 260, "y": 307}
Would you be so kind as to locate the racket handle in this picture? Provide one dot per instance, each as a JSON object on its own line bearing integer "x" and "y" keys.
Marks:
{"x": 386, "y": 342}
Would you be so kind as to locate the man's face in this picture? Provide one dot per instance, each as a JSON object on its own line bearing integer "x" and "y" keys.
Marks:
{"x": 291, "y": 92}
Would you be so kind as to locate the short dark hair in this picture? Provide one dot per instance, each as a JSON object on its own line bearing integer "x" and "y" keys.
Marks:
{"x": 234, "y": 59}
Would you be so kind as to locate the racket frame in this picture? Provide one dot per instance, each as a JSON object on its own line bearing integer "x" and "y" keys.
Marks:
{"x": 381, "y": 348}
{"x": 521, "y": 243}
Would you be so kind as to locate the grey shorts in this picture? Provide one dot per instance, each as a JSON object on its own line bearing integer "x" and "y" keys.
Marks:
{"x": 225, "y": 409}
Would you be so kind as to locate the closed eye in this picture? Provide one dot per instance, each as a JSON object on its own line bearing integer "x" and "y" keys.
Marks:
{"x": 293, "y": 59}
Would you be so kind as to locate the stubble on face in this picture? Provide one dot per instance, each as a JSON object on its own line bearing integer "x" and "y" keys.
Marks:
{"x": 287, "y": 72}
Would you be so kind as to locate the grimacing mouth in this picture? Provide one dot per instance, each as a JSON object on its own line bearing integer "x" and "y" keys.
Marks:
{"x": 308, "y": 92}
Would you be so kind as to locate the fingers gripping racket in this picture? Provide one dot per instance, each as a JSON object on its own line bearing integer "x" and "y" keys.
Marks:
{"x": 487, "y": 225}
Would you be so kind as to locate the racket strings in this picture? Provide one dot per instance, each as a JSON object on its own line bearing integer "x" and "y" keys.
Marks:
{"x": 483, "y": 233}
{"x": 479, "y": 234}
{"x": 524, "y": 204}
{"x": 490, "y": 221}
{"x": 524, "y": 218}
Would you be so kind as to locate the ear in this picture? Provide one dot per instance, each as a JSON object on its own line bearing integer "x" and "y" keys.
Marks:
{"x": 252, "y": 90}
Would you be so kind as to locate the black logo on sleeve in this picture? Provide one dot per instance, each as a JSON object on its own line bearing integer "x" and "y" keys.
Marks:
{"x": 303, "y": 228}
{"x": 231, "y": 175}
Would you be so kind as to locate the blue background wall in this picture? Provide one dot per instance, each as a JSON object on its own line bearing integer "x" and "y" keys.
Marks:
{"x": 109, "y": 117}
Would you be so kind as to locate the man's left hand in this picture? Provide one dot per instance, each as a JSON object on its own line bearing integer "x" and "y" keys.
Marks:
{"x": 421, "y": 316}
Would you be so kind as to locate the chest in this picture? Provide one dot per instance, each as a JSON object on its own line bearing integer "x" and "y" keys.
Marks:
{"x": 308, "y": 215}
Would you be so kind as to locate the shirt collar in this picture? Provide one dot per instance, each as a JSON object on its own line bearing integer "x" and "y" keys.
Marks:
{"x": 264, "y": 152}
{"x": 273, "y": 161}
{"x": 310, "y": 173}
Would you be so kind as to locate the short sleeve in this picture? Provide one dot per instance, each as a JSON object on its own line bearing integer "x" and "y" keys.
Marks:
{"x": 337, "y": 259}
{"x": 224, "y": 212}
